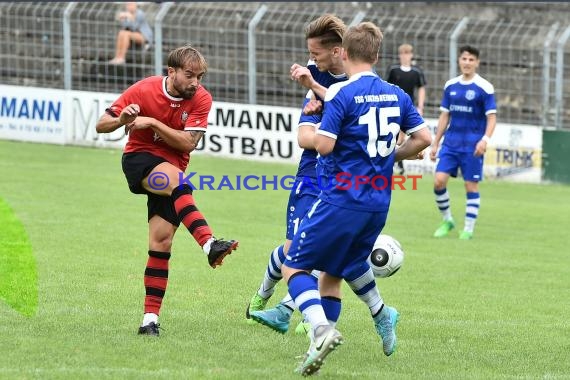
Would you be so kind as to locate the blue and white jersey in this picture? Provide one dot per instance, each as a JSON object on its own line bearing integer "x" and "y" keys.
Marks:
{"x": 308, "y": 160}
{"x": 468, "y": 104}
{"x": 364, "y": 115}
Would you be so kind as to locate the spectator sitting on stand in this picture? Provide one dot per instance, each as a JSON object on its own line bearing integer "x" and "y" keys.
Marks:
{"x": 135, "y": 28}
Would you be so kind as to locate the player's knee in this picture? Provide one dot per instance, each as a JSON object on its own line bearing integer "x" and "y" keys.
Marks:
{"x": 161, "y": 243}
{"x": 471, "y": 187}
{"x": 439, "y": 184}
{"x": 287, "y": 272}
{"x": 170, "y": 189}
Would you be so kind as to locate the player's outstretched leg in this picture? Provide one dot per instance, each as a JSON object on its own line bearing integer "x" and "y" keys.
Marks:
{"x": 257, "y": 303}
{"x": 277, "y": 318}
{"x": 326, "y": 340}
{"x": 267, "y": 287}
{"x": 385, "y": 322}
{"x": 217, "y": 249}
{"x": 304, "y": 327}
{"x": 363, "y": 284}
{"x": 194, "y": 221}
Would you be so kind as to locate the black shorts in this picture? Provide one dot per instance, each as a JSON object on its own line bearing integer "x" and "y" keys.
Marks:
{"x": 137, "y": 166}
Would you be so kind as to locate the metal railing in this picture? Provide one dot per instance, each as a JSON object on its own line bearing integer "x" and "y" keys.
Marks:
{"x": 250, "y": 47}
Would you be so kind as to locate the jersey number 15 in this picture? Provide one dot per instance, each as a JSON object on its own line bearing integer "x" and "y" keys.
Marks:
{"x": 378, "y": 126}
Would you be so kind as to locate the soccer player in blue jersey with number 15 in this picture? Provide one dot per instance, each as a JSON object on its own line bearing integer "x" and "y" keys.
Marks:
{"x": 468, "y": 118}
{"x": 326, "y": 67}
{"x": 361, "y": 120}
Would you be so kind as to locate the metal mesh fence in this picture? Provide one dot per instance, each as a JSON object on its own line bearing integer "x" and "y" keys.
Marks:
{"x": 430, "y": 39}
{"x": 280, "y": 43}
{"x": 94, "y": 27}
{"x": 31, "y": 46}
{"x": 219, "y": 31}
{"x": 524, "y": 54}
{"x": 512, "y": 60}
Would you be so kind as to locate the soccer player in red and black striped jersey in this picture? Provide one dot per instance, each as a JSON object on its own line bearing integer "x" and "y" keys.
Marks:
{"x": 165, "y": 117}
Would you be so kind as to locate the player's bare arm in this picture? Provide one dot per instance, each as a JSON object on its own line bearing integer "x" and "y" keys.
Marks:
{"x": 195, "y": 137}
{"x": 442, "y": 125}
{"x": 417, "y": 142}
{"x": 108, "y": 123}
{"x": 184, "y": 141}
{"x": 323, "y": 144}
{"x": 306, "y": 136}
{"x": 401, "y": 138}
{"x": 481, "y": 147}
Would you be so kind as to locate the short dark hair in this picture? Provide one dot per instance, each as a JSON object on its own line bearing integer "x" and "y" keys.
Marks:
{"x": 469, "y": 49}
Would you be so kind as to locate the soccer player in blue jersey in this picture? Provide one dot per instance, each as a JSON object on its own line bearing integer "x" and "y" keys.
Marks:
{"x": 356, "y": 139}
{"x": 468, "y": 118}
{"x": 324, "y": 39}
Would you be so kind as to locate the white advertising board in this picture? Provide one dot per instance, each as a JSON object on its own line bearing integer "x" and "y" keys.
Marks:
{"x": 261, "y": 133}
{"x": 514, "y": 153}
{"x": 32, "y": 114}
{"x": 253, "y": 132}
{"x": 83, "y": 110}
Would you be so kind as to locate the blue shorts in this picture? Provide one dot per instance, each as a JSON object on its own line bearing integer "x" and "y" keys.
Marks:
{"x": 301, "y": 199}
{"x": 471, "y": 166}
{"x": 335, "y": 240}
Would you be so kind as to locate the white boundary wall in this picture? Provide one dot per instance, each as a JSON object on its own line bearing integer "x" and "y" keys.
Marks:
{"x": 254, "y": 132}
{"x": 514, "y": 153}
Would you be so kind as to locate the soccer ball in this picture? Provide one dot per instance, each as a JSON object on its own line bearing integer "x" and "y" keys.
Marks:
{"x": 386, "y": 257}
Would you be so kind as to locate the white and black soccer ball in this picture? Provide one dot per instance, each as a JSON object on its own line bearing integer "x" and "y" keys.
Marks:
{"x": 386, "y": 257}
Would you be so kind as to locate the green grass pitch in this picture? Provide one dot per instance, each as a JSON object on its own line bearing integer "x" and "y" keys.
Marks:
{"x": 496, "y": 307}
